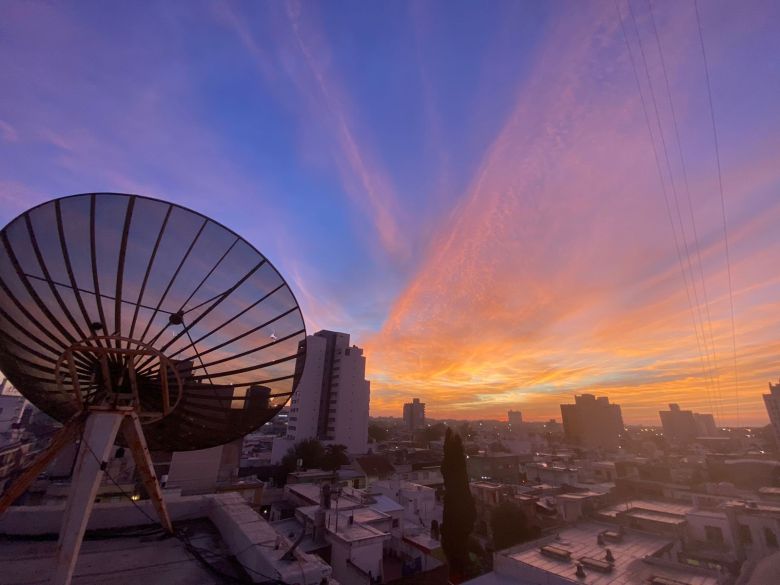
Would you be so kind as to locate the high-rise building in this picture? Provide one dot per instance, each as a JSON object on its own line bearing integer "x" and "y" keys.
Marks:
{"x": 679, "y": 425}
{"x": 705, "y": 425}
{"x": 592, "y": 422}
{"x": 514, "y": 417}
{"x": 331, "y": 402}
{"x": 682, "y": 426}
{"x": 772, "y": 402}
{"x": 414, "y": 414}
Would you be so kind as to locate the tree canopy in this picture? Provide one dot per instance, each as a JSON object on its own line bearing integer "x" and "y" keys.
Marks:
{"x": 459, "y": 510}
{"x": 334, "y": 457}
{"x": 434, "y": 432}
{"x": 510, "y": 526}
{"x": 313, "y": 456}
{"x": 378, "y": 433}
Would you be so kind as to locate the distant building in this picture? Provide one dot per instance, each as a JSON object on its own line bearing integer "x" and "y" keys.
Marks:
{"x": 515, "y": 417}
{"x": 504, "y": 468}
{"x": 12, "y": 410}
{"x": 682, "y": 426}
{"x": 592, "y": 422}
{"x": 772, "y": 402}
{"x": 331, "y": 402}
{"x": 414, "y": 415}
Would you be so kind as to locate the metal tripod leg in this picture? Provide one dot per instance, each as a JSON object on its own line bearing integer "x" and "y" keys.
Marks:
{"x": 99, "y": 436}
{"x": 134, "y": 435}
{"x": 61, "y": 439}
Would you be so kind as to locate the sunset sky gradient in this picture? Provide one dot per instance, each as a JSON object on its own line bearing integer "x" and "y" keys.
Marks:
{"x": 469, "y": 189}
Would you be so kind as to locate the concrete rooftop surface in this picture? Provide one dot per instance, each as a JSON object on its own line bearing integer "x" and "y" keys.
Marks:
{"x": 143, "y": 557}
{"x": 629, "y": 568}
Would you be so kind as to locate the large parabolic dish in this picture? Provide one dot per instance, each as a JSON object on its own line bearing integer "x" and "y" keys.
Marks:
{"x": 107, "y": 295}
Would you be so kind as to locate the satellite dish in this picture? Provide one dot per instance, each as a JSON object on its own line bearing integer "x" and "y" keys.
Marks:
{"x": 123, "y": 306}
{"x": 215, "y": 321}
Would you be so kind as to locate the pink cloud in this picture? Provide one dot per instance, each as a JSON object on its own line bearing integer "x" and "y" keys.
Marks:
{"x": 557, "y": 273}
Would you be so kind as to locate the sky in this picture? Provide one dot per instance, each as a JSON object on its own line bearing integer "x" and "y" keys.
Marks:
{"x": 505, "y": 203}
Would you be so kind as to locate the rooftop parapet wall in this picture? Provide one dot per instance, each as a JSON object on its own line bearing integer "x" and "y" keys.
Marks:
{"x": 42, "y": 520}
{"x": 258, "y": 547}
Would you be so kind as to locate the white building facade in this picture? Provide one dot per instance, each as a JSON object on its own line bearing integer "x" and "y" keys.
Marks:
{"x": 331, "y": 402}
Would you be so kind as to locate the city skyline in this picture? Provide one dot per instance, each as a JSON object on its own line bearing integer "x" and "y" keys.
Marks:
{"x": 484, "y": 217}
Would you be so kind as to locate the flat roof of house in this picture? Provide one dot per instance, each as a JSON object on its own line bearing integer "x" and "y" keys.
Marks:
{"x": 579, "y": 495}
{"x": 385, "y": 504}
{"x": 338, "y": 523}
{"x": 675, "y": 508}
{"x": 423, "y": 541}
{"x": 629, "y": 567}
{"x": 487, "y": 485}
{"x": 311, "y": 492}
{"x": 672, "y": 519}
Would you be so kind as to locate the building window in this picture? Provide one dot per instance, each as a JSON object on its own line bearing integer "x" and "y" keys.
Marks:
{"x": 744, "y": 534}
{"x": 395, "y": 522}
{"x": 771, "y": 539}
{"x": 714, "y": 534}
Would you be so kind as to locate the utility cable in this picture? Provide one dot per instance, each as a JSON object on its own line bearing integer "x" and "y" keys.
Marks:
{"x": 686, "y": 183}
{"x": 663, "y": 186}
{"x": 722, "y": 206}
{"x": 675, "y": 198}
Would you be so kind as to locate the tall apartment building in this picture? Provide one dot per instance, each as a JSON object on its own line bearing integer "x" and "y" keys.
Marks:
{"x": 514, "y": 417}
{"x": 592, "y": 422}
{"x": 331, "y": 402}
{"x": 414, "y": 415}
{"x": 772, "y": 403}
{"x": 682, "y": 426}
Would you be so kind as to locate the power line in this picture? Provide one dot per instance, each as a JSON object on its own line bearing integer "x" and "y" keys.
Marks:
{"x": 686, "y": 184}
{"x": 664, "y": 191}
{"x": 676, "y": 201}
{"x": 722, "y": 205}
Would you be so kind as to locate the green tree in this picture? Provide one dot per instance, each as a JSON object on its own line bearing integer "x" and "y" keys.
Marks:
{"x": 334, "y": 457}
{"x": 510, "y": 526}
{"x": 459, "y": 510}
{"x": 309, "y": 451}
{"x": 434, "y": 432}
{"x": 377, "y": 433}
{"x": 465, "y": 430}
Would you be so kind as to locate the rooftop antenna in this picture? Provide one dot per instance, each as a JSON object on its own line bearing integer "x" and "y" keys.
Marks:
{"x": 204, "y": 343}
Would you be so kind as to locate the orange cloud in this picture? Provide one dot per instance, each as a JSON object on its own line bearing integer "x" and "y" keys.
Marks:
{"x": 557, "y": 273}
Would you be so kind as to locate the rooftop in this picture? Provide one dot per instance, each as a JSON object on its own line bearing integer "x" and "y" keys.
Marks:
{"x": 629, "y": 567}
{"x": 351, "y": 525}
{"x": 649, "y": 505}
{"x": 211, "y": 531}
{"x": 140, "y": 557}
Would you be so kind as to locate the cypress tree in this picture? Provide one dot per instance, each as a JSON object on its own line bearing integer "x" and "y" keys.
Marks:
{"x": 459, "y": 510}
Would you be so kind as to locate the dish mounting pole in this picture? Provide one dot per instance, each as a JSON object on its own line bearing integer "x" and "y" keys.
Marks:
{"x": 100, "y": 433}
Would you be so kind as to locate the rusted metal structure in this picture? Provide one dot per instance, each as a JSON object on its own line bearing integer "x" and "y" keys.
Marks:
{"x": 135, "y": 320}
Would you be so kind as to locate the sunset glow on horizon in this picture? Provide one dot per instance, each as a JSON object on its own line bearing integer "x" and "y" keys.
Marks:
{"x": 472, "y": 192}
